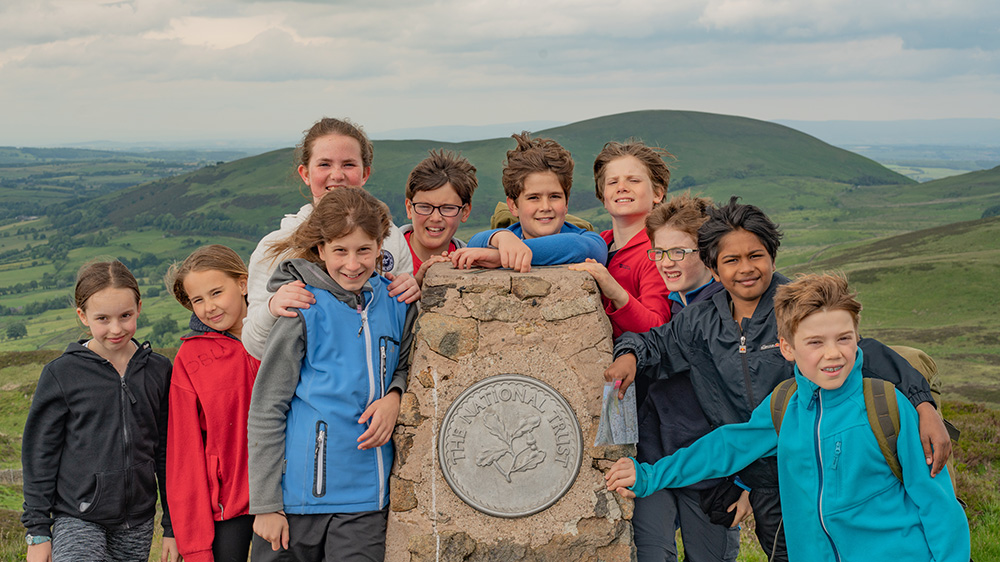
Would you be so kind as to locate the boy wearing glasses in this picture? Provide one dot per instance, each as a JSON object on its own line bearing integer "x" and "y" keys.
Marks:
{"x": 537, "y": 177}
{"x": 438, "y": 198}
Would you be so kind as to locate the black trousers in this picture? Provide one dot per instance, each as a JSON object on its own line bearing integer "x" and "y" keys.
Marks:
{"x": 337, "y": 537}
{"x": 762, "y": 478}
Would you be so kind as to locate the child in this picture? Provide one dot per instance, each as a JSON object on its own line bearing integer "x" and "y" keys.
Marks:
{"x": 840, "y": 498}
{"x": 325, "y": 402}
{"x": 438, "y": 198}
{"x": 94, "y": 448}
{"x": 630, "y": 179}
{"x": 669, "y": 414}
{"x": 729, "y": 347}
{"x": 334, "y": 153}
{"x": 537, "y": 177}
{"x": 209, "y": 403}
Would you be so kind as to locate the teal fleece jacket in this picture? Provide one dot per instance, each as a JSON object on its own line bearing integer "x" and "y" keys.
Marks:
{"x": 840, "y": 500}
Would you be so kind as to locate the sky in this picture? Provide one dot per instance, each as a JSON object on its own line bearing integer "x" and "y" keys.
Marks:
{"x": 210, "y": 70}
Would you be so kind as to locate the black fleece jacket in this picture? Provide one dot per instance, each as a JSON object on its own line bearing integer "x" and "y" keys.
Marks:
{"x": 95, "y": 443}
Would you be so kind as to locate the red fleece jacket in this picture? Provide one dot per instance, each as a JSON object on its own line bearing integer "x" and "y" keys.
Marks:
{"x": 648, "y": 305}
{"x": 207, "y": 458}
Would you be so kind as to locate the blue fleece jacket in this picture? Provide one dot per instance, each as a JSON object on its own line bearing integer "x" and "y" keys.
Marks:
{"x": 839, "y": 498}
{"x": 571, "y": 245}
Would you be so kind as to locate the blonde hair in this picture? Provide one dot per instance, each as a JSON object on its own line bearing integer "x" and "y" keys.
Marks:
{"x": 810, "y": 294}
{"x": 337, "y": 215}
{"x": 207, "y": 258}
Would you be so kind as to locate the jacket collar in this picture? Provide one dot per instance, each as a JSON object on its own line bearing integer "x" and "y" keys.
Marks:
{"x": 764, "y": 306}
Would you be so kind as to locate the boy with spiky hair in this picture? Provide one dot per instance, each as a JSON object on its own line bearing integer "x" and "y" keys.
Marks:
{"x": 537, "y": 177}
{"x": 729, "y": 346}
{"x": 841, "y": 498}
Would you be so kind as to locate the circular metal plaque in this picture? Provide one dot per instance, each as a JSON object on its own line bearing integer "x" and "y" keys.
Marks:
{"x": 510, "y": 446}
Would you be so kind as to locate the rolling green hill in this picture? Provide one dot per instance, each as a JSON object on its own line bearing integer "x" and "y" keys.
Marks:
{"x": 715, "y": 154}
{"x": 934, "y": 289}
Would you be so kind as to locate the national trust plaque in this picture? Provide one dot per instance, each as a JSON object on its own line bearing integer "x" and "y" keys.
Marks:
{"x": 510, "y": 446}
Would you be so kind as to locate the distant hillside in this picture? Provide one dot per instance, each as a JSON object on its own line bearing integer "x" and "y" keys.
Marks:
{"x": 715, "y": 154}
{"x": 934, "y": 289}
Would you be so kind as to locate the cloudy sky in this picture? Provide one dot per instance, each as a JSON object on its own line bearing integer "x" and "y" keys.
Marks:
{"x": 203, "y": 70}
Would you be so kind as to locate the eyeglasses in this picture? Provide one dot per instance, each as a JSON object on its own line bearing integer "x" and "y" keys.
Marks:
{"x": 673, "y": 254}
{"x": 445, "y": 210}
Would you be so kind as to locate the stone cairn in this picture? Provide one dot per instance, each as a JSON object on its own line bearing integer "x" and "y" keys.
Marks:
{"x": 494, "y": 448}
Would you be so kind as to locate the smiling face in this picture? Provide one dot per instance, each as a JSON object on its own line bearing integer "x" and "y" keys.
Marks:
{"x": 350, "y": 260}
{"x": 111, "y": 315}
{"x": 432, "y": 233}
{"x": 628, "y": 190}
{"x": 335, "y": 161}
{"x": 824, "y": 347}
{"x": 685, "y": 275}
{"x": 744, "y": 268}
{"x": 541, "y": 207}
{"x": 217, "y": 299}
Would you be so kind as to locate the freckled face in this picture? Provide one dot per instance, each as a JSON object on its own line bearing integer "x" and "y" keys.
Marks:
{"x": 685, "y": 275}
{"x": 335, "y": 162}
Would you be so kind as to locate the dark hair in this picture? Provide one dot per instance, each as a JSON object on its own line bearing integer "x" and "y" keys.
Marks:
{"x": 809, "y": 294}
{"x": 336, "y": 215}
{"x": 440, "y": 168}
{"x": 535, "y": 155}
{"x": 212, "y": 257}
{"x": 330, "y": 126}
{"x": 731, "y": 217}
{"x": 650, "y": 157}
{"x": 97, "y": 276}
{"x": 683, "y": 213}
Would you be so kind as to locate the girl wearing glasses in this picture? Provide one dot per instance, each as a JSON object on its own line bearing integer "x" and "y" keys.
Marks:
{"x": 438, "y": 199}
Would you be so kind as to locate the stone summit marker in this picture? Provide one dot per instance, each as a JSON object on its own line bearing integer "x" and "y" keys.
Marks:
{"x": 494, "y": 447}
{"x": 522, "y": 428}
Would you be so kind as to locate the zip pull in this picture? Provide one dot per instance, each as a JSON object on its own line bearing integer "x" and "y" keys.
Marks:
{"x": 743, "y": 344}
{"x": 131, "y": 397}
{"x": 360, "y": 300}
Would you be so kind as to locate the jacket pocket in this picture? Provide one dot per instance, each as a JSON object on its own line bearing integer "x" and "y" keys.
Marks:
{"x": 142, "y": 496}
{"x": 319, "y": 462}
{"x": 108, "y": 500}
{"x": 215, "y": 485}
{"x": 387, "y": 360}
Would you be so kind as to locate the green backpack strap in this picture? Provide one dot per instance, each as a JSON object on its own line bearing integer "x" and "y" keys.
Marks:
{"x": 883, "y": 417}
{"x": 780, "y": 398}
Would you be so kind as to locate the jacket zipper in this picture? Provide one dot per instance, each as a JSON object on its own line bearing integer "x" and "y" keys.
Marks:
{"x": 319, "y": 470}
{"x": 752, "y": 401}
{"x": 819, "y": 463}
{"x": 371, "y": 390}
{"x": 126, "y": 395}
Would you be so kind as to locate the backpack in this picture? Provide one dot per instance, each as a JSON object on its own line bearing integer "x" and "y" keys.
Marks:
{"x": 883, "y": 415}
{"x": 880, "y": 403}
